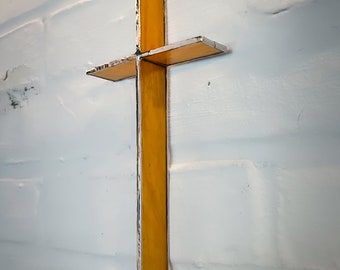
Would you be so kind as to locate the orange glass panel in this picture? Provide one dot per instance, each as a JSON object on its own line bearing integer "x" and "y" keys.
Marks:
{"x": 153, "y": 118}
{"x": 116, "y": 70}
{"x": 184, "y": 51}
{"x": 151, "y": 24}
{"x": 153, "y": 140}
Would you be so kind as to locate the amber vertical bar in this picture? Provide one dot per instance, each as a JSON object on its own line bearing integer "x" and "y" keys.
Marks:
{"x": 152, "y": 140}
{"x": 151, "y": 24}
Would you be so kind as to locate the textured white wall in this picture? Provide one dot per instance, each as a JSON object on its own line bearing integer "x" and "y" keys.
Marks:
{"x": 67, "y": 140}
{"x": 255, "y": 172}
{"x": 255, "y": 146}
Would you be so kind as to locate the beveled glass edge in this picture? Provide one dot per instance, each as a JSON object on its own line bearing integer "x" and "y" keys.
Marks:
{"x": 112, "y": 64}
{"x": 223, "y": 48}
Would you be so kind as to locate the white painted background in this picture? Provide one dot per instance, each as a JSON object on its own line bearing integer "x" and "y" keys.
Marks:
{"x": 255, "y": 137}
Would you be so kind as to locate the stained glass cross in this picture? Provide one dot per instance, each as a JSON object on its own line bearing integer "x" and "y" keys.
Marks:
{"x": 149, "y": 64}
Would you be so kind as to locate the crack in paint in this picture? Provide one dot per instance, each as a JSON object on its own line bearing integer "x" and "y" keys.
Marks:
{"x": 274, "y": 7}
{"x": 6, "y": 76}
{"x": 280, "y": 11}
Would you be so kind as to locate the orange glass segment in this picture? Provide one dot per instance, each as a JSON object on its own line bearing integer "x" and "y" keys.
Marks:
{"x": 152, "y": 91}
{"x": 151, "y": 24}
{"x": 185, "y": 51}
{"x": 152, "y": 117}
{"x": 116, "y": 70}
{"x": 154, "y": 247}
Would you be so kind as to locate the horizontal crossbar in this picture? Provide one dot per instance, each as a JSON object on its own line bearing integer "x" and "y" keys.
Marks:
{"x": 116, "y": 70}
{"x": 181, "y": 52}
